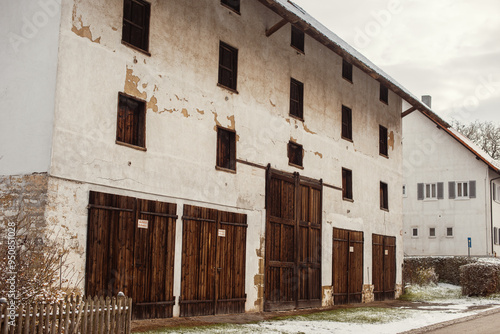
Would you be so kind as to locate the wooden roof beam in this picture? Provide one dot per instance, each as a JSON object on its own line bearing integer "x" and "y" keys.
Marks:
{"x": 409, "y": 111}
{"x": 276, "y": 27}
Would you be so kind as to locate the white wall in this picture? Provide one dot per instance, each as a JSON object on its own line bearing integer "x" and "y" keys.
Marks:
{"x": 185, "y": 105}
{"x": 431, "y": 155}
{"x": 29, "y": 34}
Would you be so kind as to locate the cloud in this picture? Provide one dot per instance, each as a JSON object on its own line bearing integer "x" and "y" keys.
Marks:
{"x": 443, "y": 48}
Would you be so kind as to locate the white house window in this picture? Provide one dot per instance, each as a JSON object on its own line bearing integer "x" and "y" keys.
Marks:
{"x": 432, "y": 232}
{"x": 414, "y": 232}
{"x": 462, "y": 189}
{"x": 431, "y": 191}
{"x": 449, "y": 231}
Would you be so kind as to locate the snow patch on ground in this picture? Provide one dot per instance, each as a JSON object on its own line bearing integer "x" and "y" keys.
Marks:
{"x": 433, "y": 304}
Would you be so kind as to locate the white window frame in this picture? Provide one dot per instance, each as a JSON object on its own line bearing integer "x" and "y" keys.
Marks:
{"x": 414, "y": 228}
{"x": 496, "y": 193}
{"x": 462, "y": 189}
{"x": 432, "y": 236}
{"x": 452, "y": 232}
{"x": 430, "y": 191}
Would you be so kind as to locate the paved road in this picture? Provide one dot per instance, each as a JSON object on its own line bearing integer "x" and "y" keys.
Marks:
{"x": 487, "y": 322}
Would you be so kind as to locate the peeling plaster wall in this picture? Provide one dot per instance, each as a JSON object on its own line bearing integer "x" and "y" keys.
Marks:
{"x": 29, "y": 34}
{"x": 431, "y": 156}
{"x": 185, "y": 106}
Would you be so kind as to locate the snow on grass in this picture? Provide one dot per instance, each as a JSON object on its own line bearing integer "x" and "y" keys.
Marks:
{"x": 433, "y": 304}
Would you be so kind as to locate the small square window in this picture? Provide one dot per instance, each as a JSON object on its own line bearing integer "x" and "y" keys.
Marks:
{"x": 405, "y": 192}
{"x": 228, "y": 66}
{"x": 346, "y": 184}
{"x": 135, "y": 30}
{"x": 384, "y": 196}
{"x": 432, "y": 232}
{"x": 346, "y": 123}
{"x": 449, "y": 231}
{"x": 233, "y": 4}
{"x": 414, "y": 232}
{"x": 297, "y": 38}
{"x": 131, "y": 121}
{"x": 384, "y": 94}
{"x": 346, "y": 70}
{"x": 296, "y": 98}
{"x": 226, "y": 149}
{"x": 295, "y": 154}
{"x": 383, "y": 150}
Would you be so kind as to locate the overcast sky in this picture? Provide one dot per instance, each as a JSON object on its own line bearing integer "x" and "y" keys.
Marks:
{"x": 449, "y": 49}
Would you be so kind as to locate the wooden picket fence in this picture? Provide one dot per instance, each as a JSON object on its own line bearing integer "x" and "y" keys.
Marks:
{"x": 71, "y": 316}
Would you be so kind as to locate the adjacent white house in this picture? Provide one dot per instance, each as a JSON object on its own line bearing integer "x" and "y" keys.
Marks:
{"x": 203, "y": 156}
{"x": 450, "y": 191}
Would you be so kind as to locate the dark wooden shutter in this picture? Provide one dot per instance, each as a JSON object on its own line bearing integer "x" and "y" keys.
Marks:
{"x": 346, "y": 122}
{"x": 451, "y": 189}
{"x": 440, "y": 190}
{"x": 131, "y": 121}
{"x": 472, "y": 189}
{"x": 228, "y": 65}
{"x": 346, "y": 70}
{"x": 296, "y": 98}
{"x": 384, "y": 94}
{"x": 136, "y": 14}
{"x": 295, "y": 154}
{"x": 233, "y": 4}
{"x": 383, "y": 141}
{"x": 226, "y": 149}
{"x": 420, "y": 191}
{"x": 297, "y": 38}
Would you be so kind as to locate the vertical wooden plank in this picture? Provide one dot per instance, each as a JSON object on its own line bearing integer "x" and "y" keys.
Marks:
{"x": 27, "y": 319}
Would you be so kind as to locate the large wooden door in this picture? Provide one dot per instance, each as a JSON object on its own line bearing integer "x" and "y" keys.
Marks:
{"x": 347, "y": 266}
{"x": 293, "y": 242}
{"x": 130, "y": 248}
{"x": 213, "y": 262}
{"x": 384, "y": 266}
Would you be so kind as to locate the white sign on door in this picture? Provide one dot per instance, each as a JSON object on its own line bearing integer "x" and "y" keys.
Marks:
{"x": 141, "y": 223}
{"x": 222, "y": 233}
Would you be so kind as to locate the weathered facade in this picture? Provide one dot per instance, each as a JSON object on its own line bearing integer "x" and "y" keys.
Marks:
{"x": 450, "y": 192}
{"x": 265, "y": 226}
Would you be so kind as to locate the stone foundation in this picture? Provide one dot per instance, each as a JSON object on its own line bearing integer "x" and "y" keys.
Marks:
{"x": 23, "y": 198}
{"x": 399, "y": 290}
{"x": 368, "y": 295}
{"x": 327, "y": 299}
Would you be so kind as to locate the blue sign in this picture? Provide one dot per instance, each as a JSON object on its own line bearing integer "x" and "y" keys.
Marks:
{"x": 470, "y": 242}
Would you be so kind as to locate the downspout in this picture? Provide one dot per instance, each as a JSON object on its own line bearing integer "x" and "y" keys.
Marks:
{"x": 491, "y": 215}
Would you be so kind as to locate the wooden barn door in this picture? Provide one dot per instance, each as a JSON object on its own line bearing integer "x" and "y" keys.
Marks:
{"x": 130, "y": 248}
{"x": 213, "y": 262}
{"x": 384, "y": 266}
{"x": 347, "y": 266}
{"x": 293, "y": 242}
{"x": 309, "y": 260}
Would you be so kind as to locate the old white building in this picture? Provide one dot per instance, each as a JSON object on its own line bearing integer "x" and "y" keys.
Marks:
{"x": 449, "y": 193}
{"x": 203, "y": 156}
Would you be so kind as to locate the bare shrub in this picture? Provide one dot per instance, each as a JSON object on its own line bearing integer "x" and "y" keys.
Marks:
{"x": 480, "y": 279}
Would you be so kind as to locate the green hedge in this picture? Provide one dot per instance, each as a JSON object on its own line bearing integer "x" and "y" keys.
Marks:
{"x": 480, "y": 279}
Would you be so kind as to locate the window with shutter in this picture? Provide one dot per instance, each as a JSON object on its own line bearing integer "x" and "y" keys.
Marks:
{"x": 346, "y": 123}
{"x": 232, "y": 4}
{"x": 432, "y": 232}
{"x": 297, "y": 38}
{"x": 472, "y": 189}
{"x": 296, "y": 98}
{"x": 228, "y": 66}
{"x": 384, "y": 94}
{"x": 466, "y": 189}
{"x": 226, "y": 149}
{"x": 383, "y": 141}
{"x": 347, "y": 70}
{"x": 131, "y": 121}
{"x": 135, "y": 32}
{"x": 295, "y": 154}
{"x": 384, "y": 196}
{"x": 346, "y": 184}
